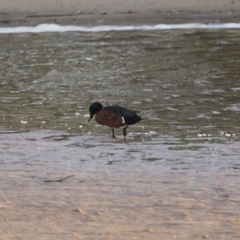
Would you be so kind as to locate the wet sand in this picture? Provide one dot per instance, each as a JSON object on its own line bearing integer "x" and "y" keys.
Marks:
{"x": 24, "y": 12}
{"x": 117, "y": 190}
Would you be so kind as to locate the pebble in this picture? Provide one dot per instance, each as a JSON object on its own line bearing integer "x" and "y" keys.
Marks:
{"x": 78, "y": 210}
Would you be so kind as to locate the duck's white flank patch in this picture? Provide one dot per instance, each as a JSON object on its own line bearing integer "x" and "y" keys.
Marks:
{"x": 123, "y": 120}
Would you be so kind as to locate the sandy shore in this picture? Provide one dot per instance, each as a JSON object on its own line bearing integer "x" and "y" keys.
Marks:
{"x": 113, "y": 192}
{"x": 91, "y": 12}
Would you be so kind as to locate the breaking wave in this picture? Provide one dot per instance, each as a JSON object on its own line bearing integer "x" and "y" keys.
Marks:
{"x": 104, "y": 28}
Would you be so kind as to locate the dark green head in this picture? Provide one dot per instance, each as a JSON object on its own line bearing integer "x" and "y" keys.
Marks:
{"x": 94, "y": 108}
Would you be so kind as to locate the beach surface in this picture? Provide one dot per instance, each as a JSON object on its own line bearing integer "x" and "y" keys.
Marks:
{"x": 56, "y": 186}
{"x": 106, "y": 12}
{"x": 153, "y": 187}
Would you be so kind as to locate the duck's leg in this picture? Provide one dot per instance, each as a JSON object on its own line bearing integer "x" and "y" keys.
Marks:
{"x": 125, "y": 133}
{"x": 113, "y": 135}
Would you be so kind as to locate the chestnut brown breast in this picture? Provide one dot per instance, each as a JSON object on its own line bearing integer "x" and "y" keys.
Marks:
{"x": 105, "y": 117}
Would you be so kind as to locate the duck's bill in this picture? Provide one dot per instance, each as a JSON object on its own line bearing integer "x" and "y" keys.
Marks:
{"x": 90, "y": 118}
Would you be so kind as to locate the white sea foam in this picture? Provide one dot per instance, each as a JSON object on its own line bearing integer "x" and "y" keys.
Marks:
{"x": 57, "y": 28}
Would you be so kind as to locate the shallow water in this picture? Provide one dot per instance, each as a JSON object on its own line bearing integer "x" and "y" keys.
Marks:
{"x": 184, "y": 83}
{"x": 186, "y": 86}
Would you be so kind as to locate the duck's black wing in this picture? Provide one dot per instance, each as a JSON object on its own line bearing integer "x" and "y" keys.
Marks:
{"x": 130, "y": 117}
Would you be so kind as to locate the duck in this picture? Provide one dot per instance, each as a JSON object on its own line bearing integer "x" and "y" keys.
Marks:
{"x": 114, "y": 117}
